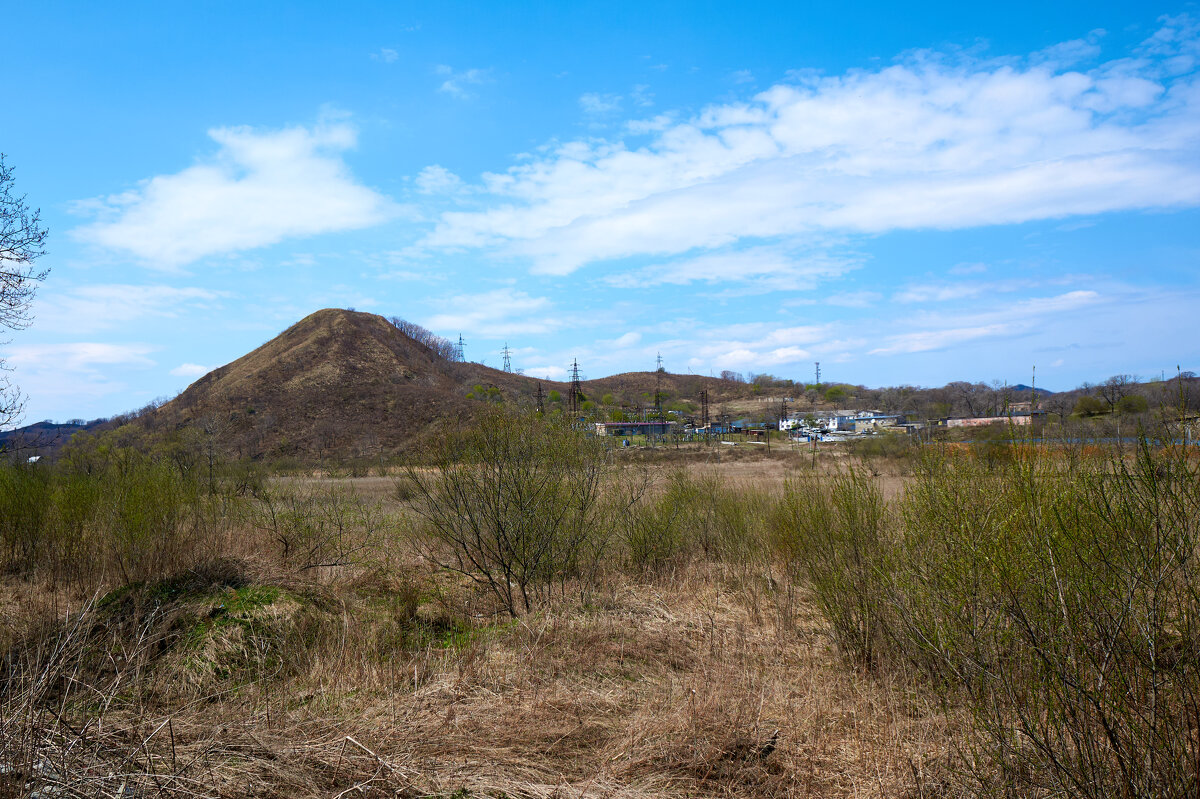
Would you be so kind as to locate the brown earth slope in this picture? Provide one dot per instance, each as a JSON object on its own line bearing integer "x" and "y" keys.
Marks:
{"x": 337, "y": 383}
{"x": 343, "y": 384}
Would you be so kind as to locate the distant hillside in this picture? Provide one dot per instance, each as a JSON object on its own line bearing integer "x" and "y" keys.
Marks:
{"x": 41, "y": 437}
{"x": 343, "y": 383}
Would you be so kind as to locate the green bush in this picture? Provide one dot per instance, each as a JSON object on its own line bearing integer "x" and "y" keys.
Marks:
{"x": 1088, "y": 405}
{"x": 833, "y": 537}
{"x": 1133, "y": 403}
{"x": 104, "y": 509}
{"x": 1059, "y": 607}
{"x": 884, "y": 446}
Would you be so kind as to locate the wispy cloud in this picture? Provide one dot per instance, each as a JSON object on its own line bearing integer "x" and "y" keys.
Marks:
{"x": 386, "y": 54}
{"x": 501, "y": 312}
{"x": 104, "y": 306}
{"x": 599, "y": 104}
{"x": 437, "y": 179}
{"x": 68, "y": 373}
{"x": 458, "y": 83}
{"x": 190, "y": 370}
{"x": 260, "y": 188}
{"x": 941, "y": 331}
{"x": 770, "y": 267}
{"x": 932, "y": 142}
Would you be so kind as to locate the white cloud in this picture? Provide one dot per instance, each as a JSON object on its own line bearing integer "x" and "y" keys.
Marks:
{"x": 437, "y": 179}
{"x": 773, "y": 267}
{"x": 640, "y": 127}
{"x": 598, "y": 104}
{"x": 190, "y": 370}
{"x": 67, "y": 374}
{"x": 630, "y": 339}
{"x": 928, "y": 143}
{"x": 546, "y": 372}
{"x": 968, "y": 269}
{"x": 494, "y": 313}
{"x": 642, "y": 96}
{"x": 80, "y": 356}
{"x": 924, "y": 340}
{"x": 260, "y": 188}
{"x": 941, "y": 331}
{"x": 854, "y": 299}
{"x": 457, "y": 83}
{"x": 104, "y": 306}
{"x": 387, "y": 55}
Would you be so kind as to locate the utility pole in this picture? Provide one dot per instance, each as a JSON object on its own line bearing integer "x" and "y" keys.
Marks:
{"x": 507, "y": 357}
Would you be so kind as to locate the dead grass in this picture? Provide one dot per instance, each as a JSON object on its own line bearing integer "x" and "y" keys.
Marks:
{"x": 698, "y": 683}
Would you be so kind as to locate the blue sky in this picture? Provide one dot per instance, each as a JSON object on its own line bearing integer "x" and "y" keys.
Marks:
{"x": 908, "y": 194}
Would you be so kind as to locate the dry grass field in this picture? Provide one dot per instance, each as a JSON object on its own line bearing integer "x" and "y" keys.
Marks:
{"x": 729, "y": 624}
{"x": 384, "y": 676}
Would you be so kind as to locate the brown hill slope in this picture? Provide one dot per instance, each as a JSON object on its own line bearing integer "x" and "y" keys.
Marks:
{"x": 337, "y": 383}
{"x": 341, "y": 384}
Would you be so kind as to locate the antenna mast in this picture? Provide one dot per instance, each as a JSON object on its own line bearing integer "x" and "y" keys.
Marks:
{"x": 818, "y": 365}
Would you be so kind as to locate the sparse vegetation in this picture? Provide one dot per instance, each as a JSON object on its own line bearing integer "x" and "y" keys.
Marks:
{"x": 521, "y": 609}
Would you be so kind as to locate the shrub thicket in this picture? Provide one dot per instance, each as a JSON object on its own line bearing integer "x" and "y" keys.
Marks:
{"x": 1059, "y": 606}
{"x": 104, "y": 510}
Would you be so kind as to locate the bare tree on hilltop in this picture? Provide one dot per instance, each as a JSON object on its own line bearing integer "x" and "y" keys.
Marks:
{"x": 22, "y": 240}
{"x": 442, "y": 347}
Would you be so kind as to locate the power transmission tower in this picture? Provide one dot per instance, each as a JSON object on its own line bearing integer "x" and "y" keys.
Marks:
{"x": 458, "y": 349}
{"x": 658, "y": 391}
{"x": 576, "y": 390}
{"x": 704, "y": 408}
{"x": 540, "y": 399}
{"x": 507, "y": 357}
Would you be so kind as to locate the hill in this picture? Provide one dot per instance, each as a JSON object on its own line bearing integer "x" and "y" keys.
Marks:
{"x": 342, "y": 383}
{"x": 41, "y": 437}
{"x": 337, "y": 383}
